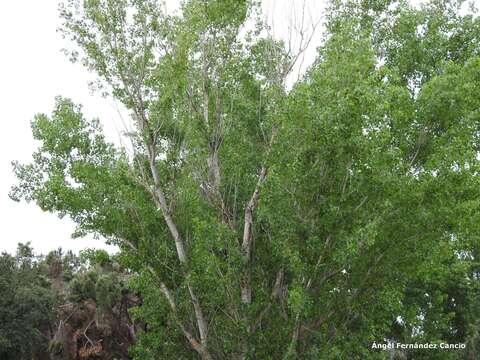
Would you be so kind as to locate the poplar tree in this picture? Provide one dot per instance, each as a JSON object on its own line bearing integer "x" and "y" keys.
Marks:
{"x": 269, "y": 222}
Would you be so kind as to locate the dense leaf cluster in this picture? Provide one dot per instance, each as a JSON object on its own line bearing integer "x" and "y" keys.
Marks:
{"x": 262, "y": 222}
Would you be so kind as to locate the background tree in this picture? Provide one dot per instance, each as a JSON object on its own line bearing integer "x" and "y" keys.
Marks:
{"x": 93, "y": 320}
{"x": 27, "y": 306}
{"x": 61, "y": 306}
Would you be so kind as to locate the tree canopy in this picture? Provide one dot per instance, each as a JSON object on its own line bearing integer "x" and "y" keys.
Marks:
{"x": 261, "y": 221}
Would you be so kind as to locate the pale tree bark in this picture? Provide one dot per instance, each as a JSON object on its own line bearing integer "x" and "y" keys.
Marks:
{"x": 246, "y": 287}
{"x": 158, "y": 193}
{"x": 214, "y": 138}
{"x": 199, "y": 346}
{"x": 161, "y": 201}
{"x": 179, "y": 244}
{"x": 247, "y": 248}
{"x": 247, "y": 239}
{"x": 214, "y": 131}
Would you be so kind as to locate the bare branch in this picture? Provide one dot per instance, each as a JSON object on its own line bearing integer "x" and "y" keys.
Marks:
{"x": 246, "y": 291}
{"x": 200, "y": 347}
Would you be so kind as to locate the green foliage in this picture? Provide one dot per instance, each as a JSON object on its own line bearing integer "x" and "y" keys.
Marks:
{"x": 48, "y": 300}
{"x": 366, "y": 172}
{"x": 55, "y": 347}
{"x": 108, "y": 290}
{"x": 82, "y": 287}
{"x": 26, "y": 306}
{"x": 95, "y": 257}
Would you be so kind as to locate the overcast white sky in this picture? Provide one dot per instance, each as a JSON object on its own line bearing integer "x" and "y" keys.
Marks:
{"x": 32, "y": 72}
